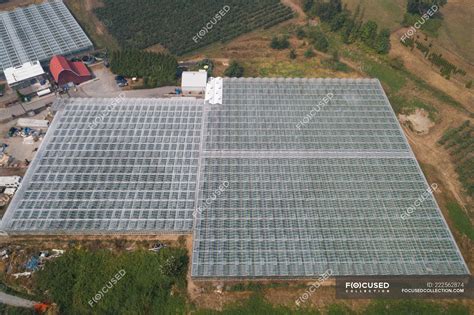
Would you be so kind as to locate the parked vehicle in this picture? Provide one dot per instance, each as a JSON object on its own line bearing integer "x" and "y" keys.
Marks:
{"x": 121, "y": 81}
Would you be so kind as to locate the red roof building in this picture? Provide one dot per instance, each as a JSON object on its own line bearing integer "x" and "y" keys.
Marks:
{"x": 65, "y": 71}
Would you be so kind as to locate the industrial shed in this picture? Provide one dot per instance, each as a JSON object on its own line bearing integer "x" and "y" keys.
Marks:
{"x": 38, "y": 32}
{"x": 318, "y": 173}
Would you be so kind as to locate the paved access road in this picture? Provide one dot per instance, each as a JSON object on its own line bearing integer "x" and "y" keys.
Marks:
{"x": 16, "y": 301}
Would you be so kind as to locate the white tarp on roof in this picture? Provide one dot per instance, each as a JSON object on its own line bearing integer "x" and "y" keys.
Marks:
{"x": 24, "y": 72}
{"x": 214, "y": 91}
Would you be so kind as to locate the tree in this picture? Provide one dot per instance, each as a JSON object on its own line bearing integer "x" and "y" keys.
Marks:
{"x": 309, "y": 53}
{"x": 338, "y": 21}
{"x": 308, "y": 5}
{"x": 348, "y": 28}
{"x": 292, "y": 54}
{"x": 319, "y": 40}
{"x": 234, "y": 70}
{"x": 300, "y": 33}
{"x": 382, "y": 42}
{"x": 397, "y": 63}
{"x": 422, "y": 6}
{"x": 368, "y": 33}
{"x": 279, "y": 42}
{"x": 328, "y": 10}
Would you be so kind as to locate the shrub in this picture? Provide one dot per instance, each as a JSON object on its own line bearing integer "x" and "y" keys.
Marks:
{"x": 368, "y": 33}
{"x": 397, "y": 63}
{"x": 293, "y": 54}
{"x": 319, "y": 40}
{"x": 234, "y": 70}
{"x": 309, "y": 53}
{"x": 300, "y": 33}
{"x": 280, "y": 42}
{"x": 382, "y": 42}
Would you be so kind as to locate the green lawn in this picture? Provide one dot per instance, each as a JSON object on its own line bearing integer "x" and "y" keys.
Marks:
{"x": 387, "y": 13}
{"x": 256, "y": 304}
{"x": 460, "y": 219}
{"x": 386, "y": 74}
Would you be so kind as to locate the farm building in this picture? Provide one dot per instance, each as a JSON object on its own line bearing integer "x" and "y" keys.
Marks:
{"x": 27, "y": 78}
{"x": 274, "y": 178}
{"x": 38, "y": 32}
{"x": 194, "y": 81}
{"x": 65, "y": 71}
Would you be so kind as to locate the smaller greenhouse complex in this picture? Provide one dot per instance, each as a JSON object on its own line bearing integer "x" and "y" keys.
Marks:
{"x": 274, "y": 178}
{"x": 38, "y": 32}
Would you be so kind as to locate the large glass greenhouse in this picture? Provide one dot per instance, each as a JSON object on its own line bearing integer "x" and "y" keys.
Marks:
{"x": 274, "y": 178}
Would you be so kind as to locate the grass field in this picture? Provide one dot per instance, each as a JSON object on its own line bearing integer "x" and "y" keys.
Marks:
{"x": 460, "y": 220}
{"x": 387, "y": 13}
{"x": 256, "y": 304}
{"x": 387, "y": 75}
{"x": 455, "y": 33}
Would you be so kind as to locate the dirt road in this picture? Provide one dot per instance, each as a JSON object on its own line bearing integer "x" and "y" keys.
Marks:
{"x": 16, "y": 301}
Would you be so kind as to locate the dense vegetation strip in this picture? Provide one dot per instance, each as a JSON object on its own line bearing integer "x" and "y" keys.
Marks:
{"x": 176, "y": 24}
{"x": 256, "y": 304}
{"x": 459, "y": 142}
{"x": 155, "y": 69}
{"x": 151, "y": 283}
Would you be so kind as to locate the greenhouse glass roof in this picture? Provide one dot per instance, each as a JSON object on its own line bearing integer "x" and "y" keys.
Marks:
{"x": 112, "y": 165}
{"x": 278, "y": 178}
{"x": 317, "y": 175}
{"x": 37, "y": 32}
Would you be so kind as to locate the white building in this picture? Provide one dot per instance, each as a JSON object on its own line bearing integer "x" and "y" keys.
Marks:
{"x": 16, "y": 76}
{"x": 194, "y": 81}
{"x": 27, "y": 78}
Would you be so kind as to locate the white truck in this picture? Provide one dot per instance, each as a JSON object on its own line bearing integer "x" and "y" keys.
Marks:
{"x": 33, "y": 123}
{"x": 10, "y": 181}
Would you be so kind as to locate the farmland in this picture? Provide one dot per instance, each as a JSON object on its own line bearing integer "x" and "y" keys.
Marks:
{"x": 184, "y": 25}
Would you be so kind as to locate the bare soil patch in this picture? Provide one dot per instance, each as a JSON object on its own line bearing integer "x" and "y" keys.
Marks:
{"x": 418, "y": 121}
